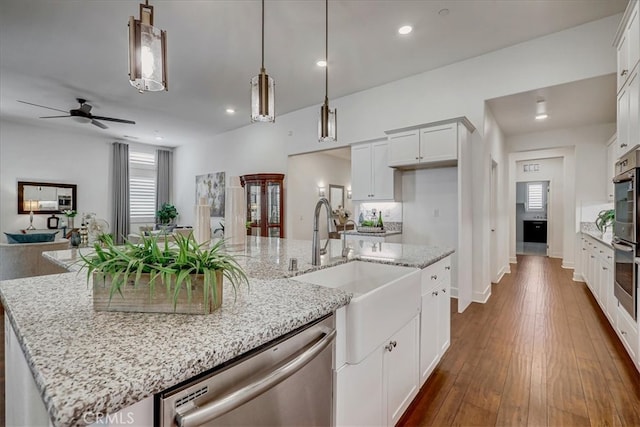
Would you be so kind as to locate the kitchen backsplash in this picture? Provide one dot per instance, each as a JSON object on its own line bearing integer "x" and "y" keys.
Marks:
{"x": 391, "y": 212}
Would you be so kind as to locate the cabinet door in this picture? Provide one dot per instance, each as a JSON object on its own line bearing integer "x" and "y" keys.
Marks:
{"x": 361, "y": 172}
{"x": 623, "y": 121}
{"x": 634, "y": 110}
{"x": 623, "y": 59}
{"x": 404, "y": 148}
{"x": 429, "y": 342}
{"x": 359, "y": 393}
{"x": 401, "y": 370}
{"x": 381, "y": 173}
{"x": 611, "y": 160}
{"x": 633, "y": 34}
{"x": 444, "y": 310}
{"x": 607, "y": 284}
{"x": 439, "y": 143}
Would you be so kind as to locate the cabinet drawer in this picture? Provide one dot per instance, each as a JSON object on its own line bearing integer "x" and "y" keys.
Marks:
{"x": 435, "y": 273}
{"x": 628, "y": 331}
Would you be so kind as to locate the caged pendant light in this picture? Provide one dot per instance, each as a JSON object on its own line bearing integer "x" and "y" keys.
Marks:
{"x": 327, "y": 130}
{"x": 262, "y": 91}
{"x": 147, "y": 52}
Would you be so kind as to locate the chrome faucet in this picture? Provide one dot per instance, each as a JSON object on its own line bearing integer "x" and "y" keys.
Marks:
{"x": 315, "y": 254}
{"x": 345, "y": 248}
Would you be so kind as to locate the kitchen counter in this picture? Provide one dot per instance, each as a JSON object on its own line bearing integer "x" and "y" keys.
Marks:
{"x": 591, "y": 230}
{"x": 89, "y": 362}
{"x": 385, "y": 233}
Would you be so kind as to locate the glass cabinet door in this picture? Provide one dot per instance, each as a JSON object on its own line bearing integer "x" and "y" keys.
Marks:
{"x": 265, "y": 201}
{"x": 254, "y": 208}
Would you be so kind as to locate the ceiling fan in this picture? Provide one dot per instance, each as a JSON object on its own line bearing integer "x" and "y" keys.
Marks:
{"x": 83, "y": 112}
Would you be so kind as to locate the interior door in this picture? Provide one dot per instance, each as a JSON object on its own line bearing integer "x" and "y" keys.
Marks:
{"x": 493, "y": 223}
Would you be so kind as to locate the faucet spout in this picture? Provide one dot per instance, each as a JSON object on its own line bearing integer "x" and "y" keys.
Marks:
{"x": 345, "y": 248}
{"x": 315, "y": 254}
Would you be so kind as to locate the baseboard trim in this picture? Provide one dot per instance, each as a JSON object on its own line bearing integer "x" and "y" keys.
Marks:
{"x": 513, "y": 260}
{"x": 578, "y": 277}
{"x": 568, "y": 265}
{"x": 453, "y": 292}
{"x": 482, "y": 297}
{"x": 504, "y": 270}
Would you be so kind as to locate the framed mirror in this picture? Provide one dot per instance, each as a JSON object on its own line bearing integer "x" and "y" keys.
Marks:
{"x": 336, "y": 196}
{"x": 46, "y": 197}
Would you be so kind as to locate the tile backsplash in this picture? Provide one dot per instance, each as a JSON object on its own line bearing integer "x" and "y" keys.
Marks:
{"x": 391, "y": 212}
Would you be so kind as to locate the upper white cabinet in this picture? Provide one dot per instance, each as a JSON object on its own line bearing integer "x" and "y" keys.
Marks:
{"x": 424, "y": 146}
{"x": 628, "y": 45}
{"x": 612, "y": 157}
{"x": 371, "y": 177}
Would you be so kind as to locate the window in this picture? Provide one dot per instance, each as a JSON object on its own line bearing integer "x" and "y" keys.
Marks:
{"x": 535, "y": 197}
{"x": 142, "y": 185}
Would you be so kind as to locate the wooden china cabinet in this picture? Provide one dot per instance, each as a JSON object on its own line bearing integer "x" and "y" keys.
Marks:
{"x": 265, "y": 204}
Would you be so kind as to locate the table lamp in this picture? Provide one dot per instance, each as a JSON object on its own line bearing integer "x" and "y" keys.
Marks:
{"x": 30, "y": 205}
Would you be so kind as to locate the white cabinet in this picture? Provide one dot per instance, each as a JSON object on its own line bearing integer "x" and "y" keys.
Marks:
{"x": 424, "y": 146}
{"x": 627, "y": 330}
{"x": 400, "y": 370}
{"x": 371, "y": 177}
{"x": 435, "y": 316}
{"x": 382, "y": 238}
{"x": 628, "y": 46}
{"x": 612, "y": 157}
{"x": 379, "y": 389}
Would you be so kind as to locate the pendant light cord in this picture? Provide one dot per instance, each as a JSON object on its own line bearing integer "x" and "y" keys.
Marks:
{"x": 263, "y": 34}
{"x": 326, "y": 51}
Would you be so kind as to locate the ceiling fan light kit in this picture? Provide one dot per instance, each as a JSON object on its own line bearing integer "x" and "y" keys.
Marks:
{"x": 327, "y": 125}
{"x": 262, "y": 91}
{"x": 147, "y": 52}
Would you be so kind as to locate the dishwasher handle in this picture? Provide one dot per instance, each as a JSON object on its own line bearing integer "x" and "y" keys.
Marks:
{"x": 236, "y": 398}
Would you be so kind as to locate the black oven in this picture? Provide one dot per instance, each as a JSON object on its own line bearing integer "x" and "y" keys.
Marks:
{"x": 625, "y": 231}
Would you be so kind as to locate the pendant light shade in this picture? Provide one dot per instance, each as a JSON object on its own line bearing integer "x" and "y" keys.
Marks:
{"x": 327, "y": 125}
{"x": 147, "y": 52}
{"x": 262, "y": 91}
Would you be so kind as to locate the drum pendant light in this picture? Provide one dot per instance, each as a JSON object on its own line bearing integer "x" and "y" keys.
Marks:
{"x": 327, "y": 130}
{"x": 147, "y": 52}
{"x": 262, "y": 91}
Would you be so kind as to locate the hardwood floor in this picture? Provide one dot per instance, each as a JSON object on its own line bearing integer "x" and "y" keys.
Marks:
{"x": 539, "y": 353}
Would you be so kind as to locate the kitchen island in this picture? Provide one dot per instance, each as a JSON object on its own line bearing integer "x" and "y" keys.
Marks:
{"x": 86, "y": 362}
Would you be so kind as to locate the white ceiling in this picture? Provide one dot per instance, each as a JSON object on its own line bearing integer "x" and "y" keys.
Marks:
{"x": 52, "y": 51}
{"x": 589, "y": 101}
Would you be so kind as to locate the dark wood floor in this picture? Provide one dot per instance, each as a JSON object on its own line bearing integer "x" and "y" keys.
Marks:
{"x": 539, "y": 353}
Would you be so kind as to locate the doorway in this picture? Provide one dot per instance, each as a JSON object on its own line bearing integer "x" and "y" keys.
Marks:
{"x": 532, "y": 216}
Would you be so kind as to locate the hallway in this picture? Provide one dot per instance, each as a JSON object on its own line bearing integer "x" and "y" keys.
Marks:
{"x": 539, "y": 353}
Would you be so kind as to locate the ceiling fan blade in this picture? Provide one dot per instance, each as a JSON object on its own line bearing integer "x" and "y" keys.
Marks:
{"x": 53, "y": 117}
{"x": 42, "y": 106}
{"x": 111, "y": 119}
{"x": 100, "y": 125}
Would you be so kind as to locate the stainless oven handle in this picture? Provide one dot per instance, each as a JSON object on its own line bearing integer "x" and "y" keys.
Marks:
{"x": 236, "y": 398}
{"x": 623, "y": 248}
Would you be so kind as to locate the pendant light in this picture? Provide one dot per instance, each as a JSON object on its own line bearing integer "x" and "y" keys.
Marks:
{"x": 147, "y": 52}
{"x": 262, "y": 91}
{"x": 327, "y": 130}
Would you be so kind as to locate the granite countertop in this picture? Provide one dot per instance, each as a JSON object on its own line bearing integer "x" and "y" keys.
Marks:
{"x": 381, "y": 234}
{"x": 87, "y": 361}
{"x": 590, "y": 229}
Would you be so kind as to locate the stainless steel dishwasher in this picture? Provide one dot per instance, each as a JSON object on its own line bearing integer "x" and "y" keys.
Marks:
{"x": 287, "y": 382}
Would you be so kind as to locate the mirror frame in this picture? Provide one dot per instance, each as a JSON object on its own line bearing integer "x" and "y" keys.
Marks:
{"x": 21, "y": 185}
{"x": 333, "y": 187}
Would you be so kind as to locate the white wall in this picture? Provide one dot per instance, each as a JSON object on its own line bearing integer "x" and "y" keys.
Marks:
{"x": 498, "y": 251}
{"x": 306, "y": 172}
{"x": 33, "y": 153}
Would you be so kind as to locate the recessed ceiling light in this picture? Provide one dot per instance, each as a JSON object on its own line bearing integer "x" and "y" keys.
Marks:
{"x": 443, "y": 12}
{"x": 321, "y": 63}
{"x": 406, "y": 29}
{"x": 230, "y": 110}
{"x": 159, "y": 138}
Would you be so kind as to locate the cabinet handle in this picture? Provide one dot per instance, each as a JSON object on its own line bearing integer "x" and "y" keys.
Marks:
{"x": 421, "y": 157}
{"x": 434, "y": 293}
{"x": 434, "y": 277}
{"x": 417, "y": 158}
{"x": 444, "y": 291}
{"x": 592, "y": 256}
{"x": 448, "y": 267}
{"x": 389, "y": 347}
{"x": 623, "y": 145}
{"x": 604, "y": 268}
{"x": 608, "y": 256}
{"x": 623, "y": 332}
{"x": 601, "y": 252}
{"x": 584, "y": 249}
{"x": 624, "y": 72}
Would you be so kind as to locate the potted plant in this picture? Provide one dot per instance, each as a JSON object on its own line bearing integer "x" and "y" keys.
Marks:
{"x": 166, "y": 215}
{"x": 605, "y": 219}
{"x": 184, "y": 277}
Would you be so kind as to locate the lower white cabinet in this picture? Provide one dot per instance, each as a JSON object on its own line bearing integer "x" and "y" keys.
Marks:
{"x": 393, "y": 238}
{"x": 435, "y": 316}
{"x": 627, "y": 330}
{"x": 377, "y": 391}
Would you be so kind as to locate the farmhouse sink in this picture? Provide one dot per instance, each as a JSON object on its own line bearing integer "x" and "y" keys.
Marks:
{"x": 385, "y": 298}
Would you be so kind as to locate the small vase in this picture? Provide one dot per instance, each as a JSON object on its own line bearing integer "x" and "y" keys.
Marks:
{"x": 75, "y": 239}
{"x": 70, "y": 222}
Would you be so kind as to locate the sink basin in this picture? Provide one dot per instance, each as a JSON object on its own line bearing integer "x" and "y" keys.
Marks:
{"x": 385, "y": 298}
